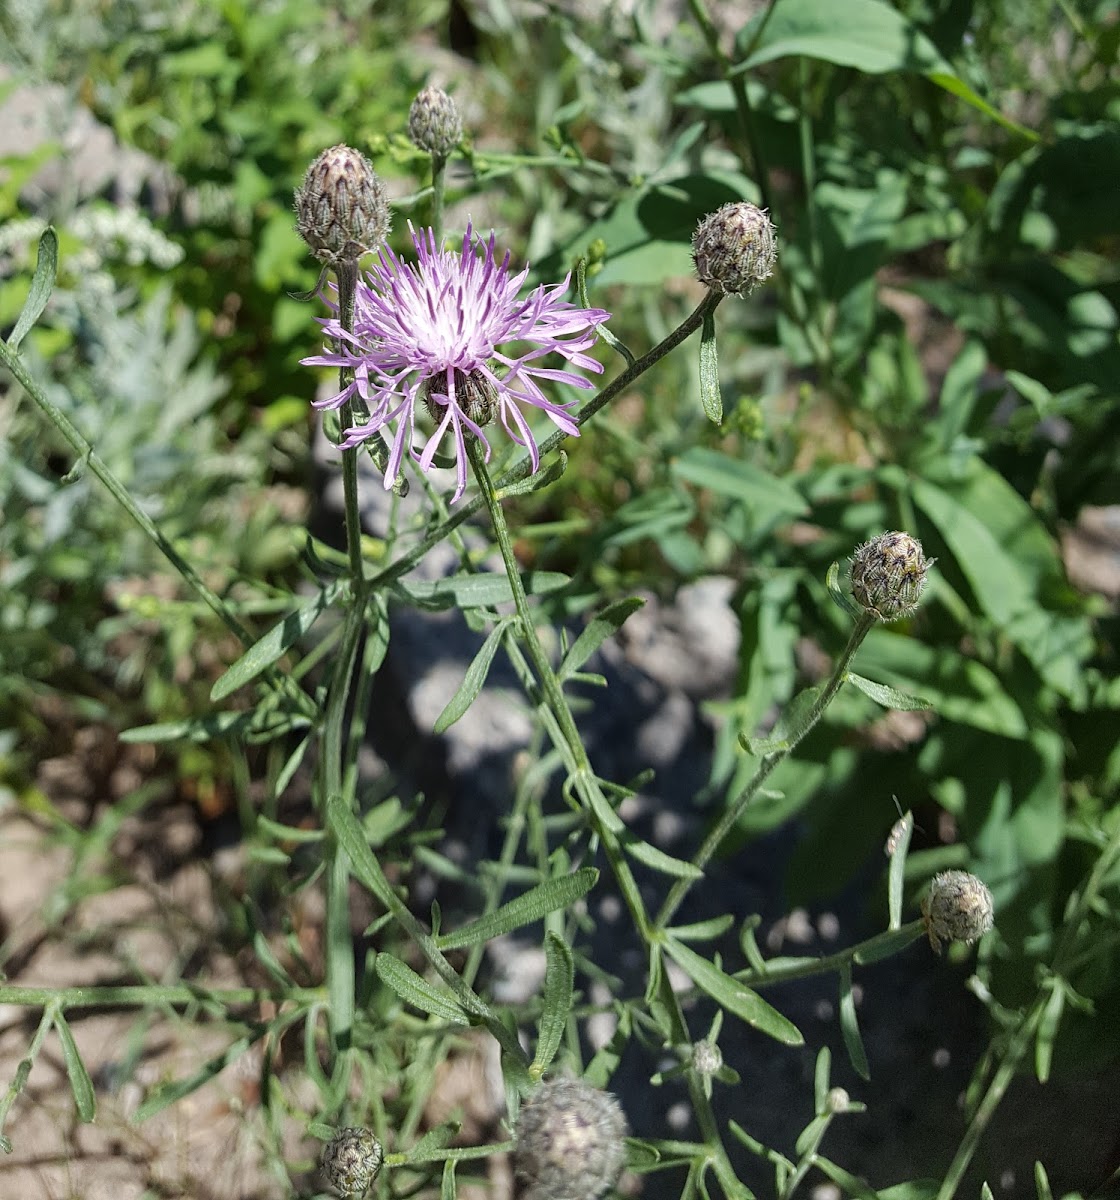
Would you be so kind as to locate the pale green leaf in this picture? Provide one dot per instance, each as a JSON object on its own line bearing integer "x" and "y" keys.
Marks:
{"x": 413, "y": 989}
{"x": 473, "y": 680}
{"x": 80, "y": 1083}
{"x": 42, "y": 284}
{"x": 603, "y": 625}
{"x": 527, "y": 908}
{"x": 710, "y": 396}
{"x": 887, "y": 696}
{"x": 849, "y": 1025}
{"x": 559, "y": 976}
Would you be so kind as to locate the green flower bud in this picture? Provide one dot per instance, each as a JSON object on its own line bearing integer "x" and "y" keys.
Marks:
{"x": 342, "y": 209}
{"x": 889, "y": 574}
{"x": 734, "y": 248}
{"x": 352, "y": 1161}
{"x": 958, "y": 908}
{"x": 434, "y": 124}
{"x": 707, "y": 1058}
{"x": 569, "y": 1142}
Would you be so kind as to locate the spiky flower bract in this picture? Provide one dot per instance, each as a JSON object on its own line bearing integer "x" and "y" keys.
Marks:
{"x": 450, "y": 336}
{"x": 569, "y": 1142}
{"x": 434, "y": 123}
{"x": 888, "y": 575}
{"x": 735, "y": 248}
{"x": 342, "y": 208}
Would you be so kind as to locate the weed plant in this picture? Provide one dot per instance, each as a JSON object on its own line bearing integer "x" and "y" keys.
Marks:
{"x": 892, "y": 389}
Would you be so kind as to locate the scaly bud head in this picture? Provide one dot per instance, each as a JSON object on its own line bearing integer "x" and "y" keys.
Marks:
{"x": 958, "y": 908}
{"x": 434, "y": 124}
{"x": 569, "y": 1142}
{"x": 342, "y": 210}
{"x": 889, "y": 574}
{"x": 352, "y": 1160}
{"x": 734, "y": 248}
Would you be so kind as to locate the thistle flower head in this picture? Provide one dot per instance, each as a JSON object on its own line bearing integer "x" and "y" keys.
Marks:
{"x": 434, "y": 123}
{"x": 342, "y": 210}
{"x": 734, "y": 248}
{"x": 957, "y": 908}
{"x": 451, "y": 337}
{"x": 569, "y": 1142}
{"x": 352, "y": 1160}
{"x": 889, "y": 574}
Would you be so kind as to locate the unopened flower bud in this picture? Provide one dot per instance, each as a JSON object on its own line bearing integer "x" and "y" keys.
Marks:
{"x": 433, "y": 123}
{"x": 889, "y": 574}
{"x": 352, "y": 1160}
{"x": 569, "y": 1142}
{"x": 342, "y": 210}
{"x": 958, "y": 908}
{"x": 734, "y": 248}
{"x": 837, "y": 1101}
{"x": 706, "y": 1057}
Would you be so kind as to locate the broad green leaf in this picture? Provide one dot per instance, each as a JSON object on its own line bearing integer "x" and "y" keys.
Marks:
{"x": 888, "y": 697}
{"x": 849, "y": 1025}
{"x": 275, "y": 643}
{"x": 710, "y": 396}
{"x": 473, "y": 680}
{"x": 765, "y": 494}
{"x": 413, "y": 989}
{"x": 959, "y": 688}
{"x": 478, "y": 591}
{"x": 658, "y": 860}
{"x": 896, "y": 875}
{"x": 527, "y": 908}
{"x": 603, "y": 625}
{"x": 42, "y": 284}
{"x": 559, "y": 976}
{"x": 80, "y": 1083}
{"x": 749, "y": 1006}
{"x": 866, "y": 34}
{"x": 791, "y": 726}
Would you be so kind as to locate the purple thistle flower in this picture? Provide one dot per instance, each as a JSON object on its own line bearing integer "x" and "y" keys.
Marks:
{"x": 451, "y": 334}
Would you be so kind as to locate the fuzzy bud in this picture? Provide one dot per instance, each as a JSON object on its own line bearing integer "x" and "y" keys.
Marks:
{"x": 434, "y": 124}
{"x": 342, "y": 210}
{"x": 958, "y": 908}
{"x": 352, "y": 1161}
{"x": 837, "y": 1101}
{"x": 706, "y": 1057}
{"x": 734, "y": 248}
{"x": 889, "y": 574}
{"x": 569, "y": 1142}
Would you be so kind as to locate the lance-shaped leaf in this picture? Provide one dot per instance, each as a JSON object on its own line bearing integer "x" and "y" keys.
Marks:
{"x": 559, "y": 976}
{"x": 527, "y": 908}
{"x": 887, "y": 696}
{"x": 899, "y": 846}
{"x": 602, "y": 626}
{"x": 710, "y": 396}
{"x": 275, "y": 643}
{"x": 730, "y": 994}
{"x": 478, "y": 591}
{"x": 658, "y": 860}
{"x": 473, "y": 680}
{"x": 42, "y": 284}
{"x": 413, "y": 989}
{"x": 80, "y": 1083}
{"x": 849, "y": 1025}
{"x": 791, "y": 727}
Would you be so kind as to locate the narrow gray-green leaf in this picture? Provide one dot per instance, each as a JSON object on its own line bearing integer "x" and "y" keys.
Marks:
{"x": 658, "y": 860}
{"x": 710, "y": 396}
{"x": 434, "y": 1141}
{"x": 80, "y": 1083}
{"x": 42, "y": 284}
{"x": 888, "y": 944}
{"x": 849, "y": 1025}
{"x": 412, "y": 989}
{"x": 559, "y": 978}
{"x": 203, "y": 729}
{"x": 1042, "y": 1182}
{"x": 703, "y": 931}
{"x": 473, "y": 680}
{"x": 888, "y": 696}
{"x": 839, "y": 596}
{"x": 548, "y": 474}
{"x": 478, "y": 591}
{"x": 275, "y": 643}
{"x": 602, "y": 626}
{"x": 899, "y": 847}
{"x": 822, "y": 1079}
{"x": 1048, "y": 1029}
{"x": 527, "y": 908}
{"x": 447, "y": 1189}
{"x": 739, "y": 1000}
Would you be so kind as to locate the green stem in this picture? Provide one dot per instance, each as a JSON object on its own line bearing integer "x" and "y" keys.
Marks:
{"x": 147, "y": 995}
{"x": 730, "y": 816}
{"x": 439, "y": 172}
{"x": 565, "y": 734}
{"x": 829, "y": 962}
